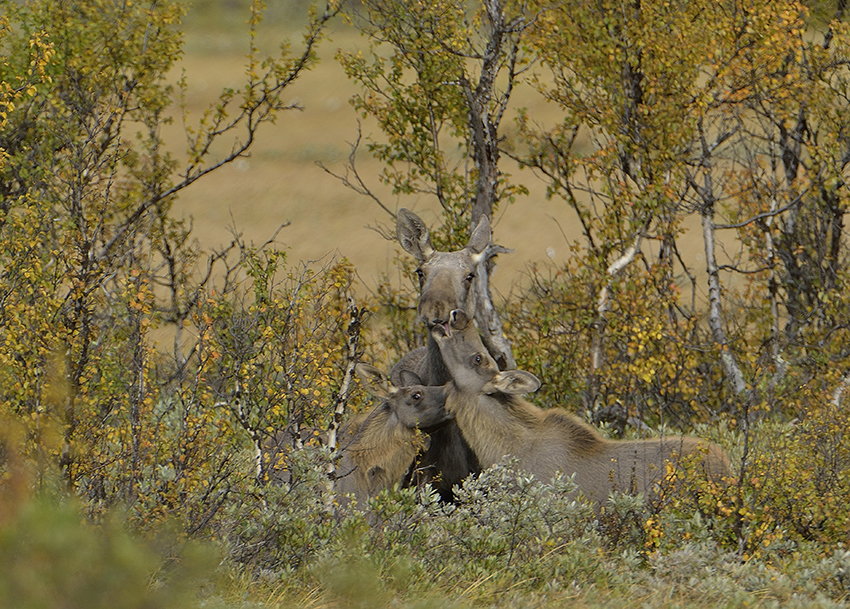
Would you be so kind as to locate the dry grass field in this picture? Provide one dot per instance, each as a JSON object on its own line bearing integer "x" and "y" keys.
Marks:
{"x": 282, "y": 181}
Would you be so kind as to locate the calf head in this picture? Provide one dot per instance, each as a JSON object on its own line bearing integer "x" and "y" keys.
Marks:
{"x": 445, "y": 278}
{"x": 416, "y": 406}
{"x": 472, "y": 368}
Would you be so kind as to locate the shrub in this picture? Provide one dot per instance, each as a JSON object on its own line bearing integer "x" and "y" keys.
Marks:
{"x": 50, "y": 558}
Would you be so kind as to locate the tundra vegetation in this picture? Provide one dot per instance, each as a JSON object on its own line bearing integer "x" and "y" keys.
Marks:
{"x": 142, "y": 372}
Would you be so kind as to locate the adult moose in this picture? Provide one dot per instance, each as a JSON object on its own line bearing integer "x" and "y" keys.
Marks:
{"x": 497, "y": 422}
{"x": 448, "y": 281}
{"x": 377, "y": 448}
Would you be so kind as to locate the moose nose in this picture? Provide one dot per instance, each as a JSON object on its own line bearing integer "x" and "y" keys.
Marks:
{"x": 434, "y": 313}
{"x": 458, "y": 319}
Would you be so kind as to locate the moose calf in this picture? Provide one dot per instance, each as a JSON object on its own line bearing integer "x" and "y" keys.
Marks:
{"x": 378, "y": 448}
{"x": 496, "y": 422}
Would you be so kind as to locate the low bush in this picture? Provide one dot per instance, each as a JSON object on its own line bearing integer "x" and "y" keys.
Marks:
{"x": 50, "y": 557}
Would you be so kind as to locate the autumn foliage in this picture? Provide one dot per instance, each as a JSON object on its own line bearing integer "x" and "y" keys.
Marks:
{"x": 140, "y": 372}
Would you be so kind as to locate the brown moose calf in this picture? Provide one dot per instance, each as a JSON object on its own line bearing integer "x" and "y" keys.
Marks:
{"x": 378, "y": 448}
{"x": 497, "y": 422}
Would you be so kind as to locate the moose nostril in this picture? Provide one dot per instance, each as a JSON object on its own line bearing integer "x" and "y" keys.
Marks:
{"x": 436, "y": 321}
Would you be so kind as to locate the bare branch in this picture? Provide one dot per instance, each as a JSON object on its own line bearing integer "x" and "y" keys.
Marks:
{"x": 764, "y": 215}
{"x": 358, "y": 186}
{"x": 255, "y": 111}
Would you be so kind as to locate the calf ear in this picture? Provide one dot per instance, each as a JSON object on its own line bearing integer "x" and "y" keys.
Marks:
{"x": 514, "y": 382}
{"x": 409, "y": 378}
{"x": 413, "y": 235}
{"x": 376, "y": 382}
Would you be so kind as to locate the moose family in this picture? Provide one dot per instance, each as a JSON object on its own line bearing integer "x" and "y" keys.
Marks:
{"x": 447, "y": 410}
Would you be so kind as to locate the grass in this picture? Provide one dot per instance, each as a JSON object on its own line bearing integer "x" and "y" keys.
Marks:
{"x": 694, "y": 577}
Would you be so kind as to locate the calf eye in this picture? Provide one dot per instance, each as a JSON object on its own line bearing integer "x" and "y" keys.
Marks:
{"x": 470, "y": 277}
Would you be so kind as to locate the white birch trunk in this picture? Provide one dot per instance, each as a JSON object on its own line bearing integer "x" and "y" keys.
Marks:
{"x": 603, "y": 302}
{"x": 486, "y": 316}
{"x": 603, "y": 305}
{"x": 838, "y": 394}
{"x": 715, "y": 315}
{"x": 352, "y": 356}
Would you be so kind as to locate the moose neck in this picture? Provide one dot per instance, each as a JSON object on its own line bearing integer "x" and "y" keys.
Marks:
{"x": 438, "y": 373}
{"x": 489, "y": 426}
{"x": 387, "y": 447}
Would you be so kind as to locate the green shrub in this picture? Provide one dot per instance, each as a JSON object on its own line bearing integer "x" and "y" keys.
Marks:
{"x": 50, "y": 558}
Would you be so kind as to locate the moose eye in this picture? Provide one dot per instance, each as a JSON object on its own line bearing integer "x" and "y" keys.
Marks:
{"x": 416, "y": 396}
{"x": 470, "y": 277}
{"x": 477, "y": 359}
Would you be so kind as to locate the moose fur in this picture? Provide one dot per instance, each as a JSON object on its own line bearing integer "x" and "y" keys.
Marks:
{"x": 378, "y": 448}
{"x": 496, "y": 422}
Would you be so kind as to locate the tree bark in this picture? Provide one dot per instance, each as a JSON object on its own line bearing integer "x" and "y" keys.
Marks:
{"x": 489, "y": 323}
{"x": 483, "y": 120}
{"x": 715, "y": 316}
{"x": 352, "y": 357}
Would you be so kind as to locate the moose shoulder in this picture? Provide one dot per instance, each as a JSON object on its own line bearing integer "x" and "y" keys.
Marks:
{"x": 496, "y": 421}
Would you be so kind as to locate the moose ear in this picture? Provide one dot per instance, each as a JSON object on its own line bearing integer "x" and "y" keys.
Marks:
{"x": 458, "y": 320}
{"x": 413, "y": 235}
{"x": 514, "y": 382}
{"x": 374, "y": 474}
{"x": 408, "y": 378}
{"x": 480, "y": 238}
{"x": 375, "y": 381}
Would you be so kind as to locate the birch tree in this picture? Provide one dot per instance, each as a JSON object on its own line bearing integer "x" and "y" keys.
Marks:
{"x": 659, "y": 101}
{"x": 93, "y": 260}
{"x": 440, "y": 99}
